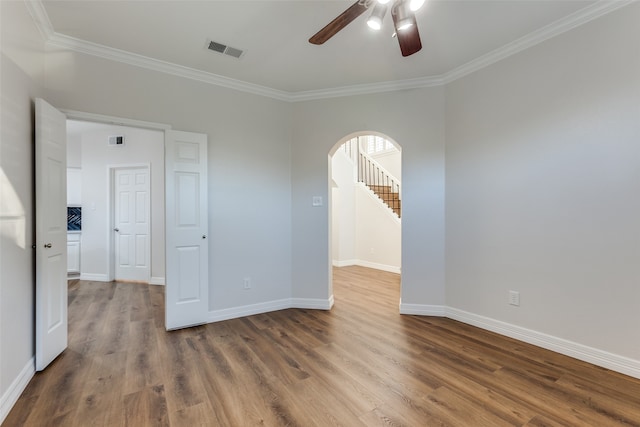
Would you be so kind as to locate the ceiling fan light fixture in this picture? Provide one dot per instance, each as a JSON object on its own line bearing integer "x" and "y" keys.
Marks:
{"x": 404, "y": 14}
{"x": 383, "y": 1}
{"x": 375, "y": 20}
{"x": 416, "y": 4}
{"x": 404, "y": 25}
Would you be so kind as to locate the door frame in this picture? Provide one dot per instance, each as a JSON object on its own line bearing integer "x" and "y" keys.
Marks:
{"x": 118, "y": 121}
{"x": 111, "y": 215}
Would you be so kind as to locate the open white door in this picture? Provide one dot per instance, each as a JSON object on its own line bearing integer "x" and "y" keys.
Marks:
{"x": 187, "y": 253}
{"x": 51, "y": 233}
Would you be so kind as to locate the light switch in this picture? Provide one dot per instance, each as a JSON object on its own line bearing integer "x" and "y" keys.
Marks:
{"x": 317, "y": 201}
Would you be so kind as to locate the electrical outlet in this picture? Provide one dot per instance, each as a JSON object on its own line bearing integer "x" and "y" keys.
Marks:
{"x": 514, "y": 298}
{"x": 247, "y": 283}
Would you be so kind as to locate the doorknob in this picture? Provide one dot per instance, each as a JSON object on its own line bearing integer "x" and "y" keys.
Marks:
{"x": 204, "y": 236}
{"x": 116, "y": 229}
{"x": 47, "y": 245}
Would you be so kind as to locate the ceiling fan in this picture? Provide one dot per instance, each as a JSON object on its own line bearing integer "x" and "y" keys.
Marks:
{"x": 402, "y": 13}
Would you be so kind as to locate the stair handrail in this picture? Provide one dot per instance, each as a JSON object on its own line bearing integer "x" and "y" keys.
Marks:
{"x": 371, "y": 172}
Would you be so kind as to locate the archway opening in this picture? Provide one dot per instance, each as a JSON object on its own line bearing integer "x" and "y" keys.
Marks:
{"x": 365, "y": 188}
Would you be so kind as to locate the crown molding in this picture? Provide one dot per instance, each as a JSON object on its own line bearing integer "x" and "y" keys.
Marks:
{"x": 40, "y": 18}
{"x": 538, "y": 36}
{"x": 366, "y": 89}
{"x": 57, "y": 40}
{"x": 82, "y": 46}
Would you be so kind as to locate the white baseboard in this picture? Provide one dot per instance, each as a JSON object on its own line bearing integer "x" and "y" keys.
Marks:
{"x": 383, "y": 267}
{"x": 91, "y": 277}
{"x": 266, "y": 307}
{"x": 248, "y": 310}
{"x": 422, "y": 309}
{"x": 578, "y": 351}
{"x": 367, "y": 264}
{"x": 345, "y": 263}
{"x": 312, "y": 303}
{"x": 157, "y": 281}
{"x": 94, "y": 277}
{"x": 10, "y": 397}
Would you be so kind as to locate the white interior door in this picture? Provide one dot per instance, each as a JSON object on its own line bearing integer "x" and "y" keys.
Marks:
{"x": 132, "y": 228}
{"x": 51, "y": 233}
{"x": 187, "y": 252}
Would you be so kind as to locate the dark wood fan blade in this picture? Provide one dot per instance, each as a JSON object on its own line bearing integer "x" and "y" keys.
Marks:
{"x": 338, "y": 24}
{"x": 408, "y": 38}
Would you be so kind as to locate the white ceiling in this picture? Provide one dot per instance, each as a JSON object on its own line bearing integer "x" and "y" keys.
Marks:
{"x": 275, "y": 36}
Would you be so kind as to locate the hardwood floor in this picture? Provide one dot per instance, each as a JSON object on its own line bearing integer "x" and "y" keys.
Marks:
{"x": 360, "y": 364}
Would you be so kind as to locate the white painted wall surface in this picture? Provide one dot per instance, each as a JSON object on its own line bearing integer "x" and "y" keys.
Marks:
{"x": 249, "y": 163}
{"x": 21, "y": 71}
{"x": 378, "y": 232}
{"x": 343, "y": 209}
{"x": 391, "y": 162}
{"x": 141, "y": 147}
{"x": 74, "y": 150}
{"x": 543, "y": 185}
{"x": 74, "y": 186}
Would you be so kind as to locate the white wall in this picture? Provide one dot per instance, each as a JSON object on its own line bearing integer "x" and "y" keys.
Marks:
{"x": 249, "y": 163}
{"x": 74, "y": 150}
{"x": 343, "y": 209}
{"x": 141, "y": 147}
{"x": 413, "y": 118}
{"x": 21, "y": 70}
{"x": 543, "y": 178}
{"x": 74, "y": 186}
{"x": 378, "y": 232}
{"x": 391, "y": 161}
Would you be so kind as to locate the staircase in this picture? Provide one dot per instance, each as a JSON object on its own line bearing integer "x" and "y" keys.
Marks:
{"x": 374, "y": 176}
{"x": 389, "y": 197}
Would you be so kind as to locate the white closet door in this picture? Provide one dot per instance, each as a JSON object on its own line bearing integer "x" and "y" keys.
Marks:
{"x": 187, "y": 253}
{"x": 132, "y": 224}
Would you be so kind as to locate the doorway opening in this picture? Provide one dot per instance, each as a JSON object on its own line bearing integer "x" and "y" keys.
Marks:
{"x": 365, "y": 171}
{"x": 115, "y": 182}
{"x": 184, "y": 205}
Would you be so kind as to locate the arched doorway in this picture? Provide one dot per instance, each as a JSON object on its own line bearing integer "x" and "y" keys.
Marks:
{"x": 365, "y": 171}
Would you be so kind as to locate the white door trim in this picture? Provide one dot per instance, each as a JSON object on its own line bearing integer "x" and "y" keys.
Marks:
{"x": 111, "y": 251}
{"x": 113, "y": 120}
{"x": 119, "y": 121}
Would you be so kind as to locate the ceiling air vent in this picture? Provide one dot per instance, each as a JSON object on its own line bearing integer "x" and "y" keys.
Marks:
{"x": 116, "y": 140}
{"x": 224, "y": 49}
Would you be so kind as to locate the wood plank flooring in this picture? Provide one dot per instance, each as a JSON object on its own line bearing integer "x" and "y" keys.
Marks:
{"x": 360, "y": 364}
